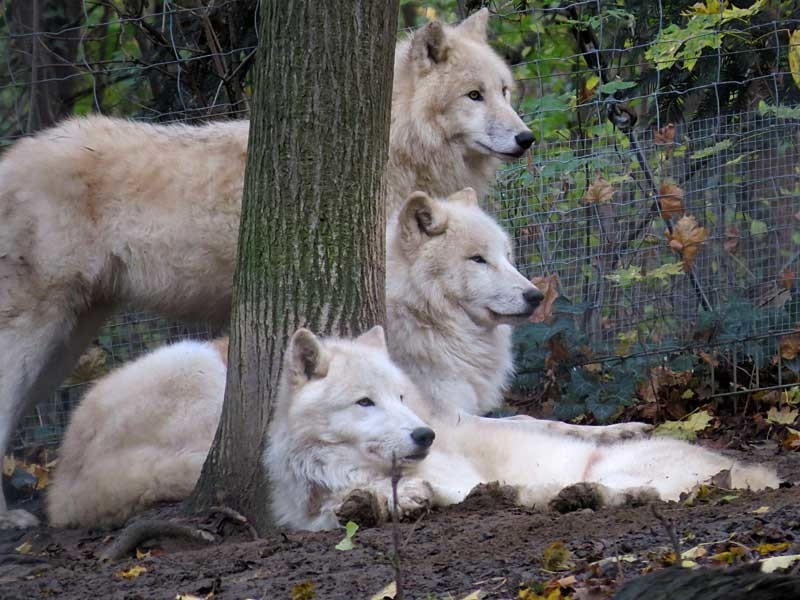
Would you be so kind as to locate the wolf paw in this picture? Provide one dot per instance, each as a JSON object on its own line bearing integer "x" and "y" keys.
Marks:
{"x": 577, "y": 497}
{"x": 414, "y": 498}
{"x": 17, "y": 519}
{"x": 362, "y": 507}
{"x": 637, "y": 496}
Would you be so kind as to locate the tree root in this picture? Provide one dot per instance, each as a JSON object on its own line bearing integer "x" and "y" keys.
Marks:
{"x": 139, "y": 532}
{"x": 236, "y": 516}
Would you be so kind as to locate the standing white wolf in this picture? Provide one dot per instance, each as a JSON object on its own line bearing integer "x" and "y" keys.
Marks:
{"x": 99, "y": 214}
{"x": 343, "y": 411}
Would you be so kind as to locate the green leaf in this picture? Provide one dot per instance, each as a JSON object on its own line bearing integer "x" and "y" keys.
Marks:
{"x": 347, "y": 542}
{"x": 687, "y": 428}
{"x": 614, "y": 86}
{"x": 758, "y": 227}
{"x": 711, "y": 150}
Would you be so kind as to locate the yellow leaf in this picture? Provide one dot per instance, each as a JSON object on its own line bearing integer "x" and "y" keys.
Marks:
{"x": 730, "y": 556}
{"x": 794, "y": 56}
{"x": 8, "y": 465}
{"x": 24, "y": 548}
{"x": 764, "y": 549}
{"x": 785, "y": 416}
{"x": 131, "y": 573}
{"x": 304, "y": 591}
{"x": 476, "y": 595}
{"x": 761, "y": 510}
{"x": 557, "y": 557}
{"x": 140, "y": 555}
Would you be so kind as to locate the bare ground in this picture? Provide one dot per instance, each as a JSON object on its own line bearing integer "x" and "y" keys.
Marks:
{"x": 484, "y": 543}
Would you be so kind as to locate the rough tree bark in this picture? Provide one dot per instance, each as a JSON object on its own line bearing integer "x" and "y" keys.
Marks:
{"x": 311, "y": 243}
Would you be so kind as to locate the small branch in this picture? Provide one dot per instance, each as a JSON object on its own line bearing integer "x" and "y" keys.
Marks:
{"x": 669, "y": 527}
{"x": 235, "y": 515}
{"x": 398, "y": 571}
{"x": 139, "y": 532}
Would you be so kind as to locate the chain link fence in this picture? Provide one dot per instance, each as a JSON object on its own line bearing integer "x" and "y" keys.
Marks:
{"x": 660, "y": 206}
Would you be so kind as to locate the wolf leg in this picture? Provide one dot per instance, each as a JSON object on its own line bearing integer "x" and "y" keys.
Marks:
{"x": 602, "y": 434}
{"x": 38, "y": 347}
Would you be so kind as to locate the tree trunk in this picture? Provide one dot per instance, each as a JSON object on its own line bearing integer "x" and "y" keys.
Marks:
{"x": 311, "y": 243}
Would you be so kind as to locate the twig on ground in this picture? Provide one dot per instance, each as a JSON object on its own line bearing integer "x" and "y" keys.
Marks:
{"x": 235, "y": 515}
{"x": 669, "y": 527}
{"x": 398, "y": 571}
{"x": 139, "y": 532}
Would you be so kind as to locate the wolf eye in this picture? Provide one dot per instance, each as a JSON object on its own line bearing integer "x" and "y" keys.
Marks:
{"x": 365, "y": 402}
{"x": 475, "y": 95}
{"x": 478, "y": 259}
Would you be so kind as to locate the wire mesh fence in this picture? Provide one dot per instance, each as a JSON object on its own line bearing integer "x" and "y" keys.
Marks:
{"x": 661, "y": 203}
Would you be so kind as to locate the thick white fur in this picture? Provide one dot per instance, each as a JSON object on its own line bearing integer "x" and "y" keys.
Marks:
{"x": 140, "y": 435}
{"x": 449, "y": 318}
{"x": 441, "y": 140}
{"x": 144, "y": 430}
{"x": 100, "y": 213}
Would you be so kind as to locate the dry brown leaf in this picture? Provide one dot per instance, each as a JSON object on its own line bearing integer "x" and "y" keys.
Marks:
{"x": 548, "y": 285}
{"x": 792, "y": 440}
{"x": 731, "y": 243}
{"x": 787, "y": 279}
{"x": 670, "y": 200}
{"x": 686, "y": 238}
{"x": 665, "y": 135}
{"x": 599, "y": 192}
{"x": 790, "y": 346}
{"x": 92, "y": 365}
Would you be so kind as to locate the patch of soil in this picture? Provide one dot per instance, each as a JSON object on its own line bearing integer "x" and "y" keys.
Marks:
{"x": 484, "y": 543}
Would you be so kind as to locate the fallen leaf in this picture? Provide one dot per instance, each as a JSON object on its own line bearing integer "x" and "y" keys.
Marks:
{"x": 768, "y": 565}
{"x": 140, "y": 555}
{"x": 694, "y": 553}
{"x": 670, "y": 200}
{"x": 548, "y": 285}
{"x": 761, "y": 510}
{"x": 687, "y": 428}
{"x": 729, "y": 556}
{"x": 303, "y": 591}
{"x": 390, "y": 591}
{"x": 347, "y": 540}
{"x": 785, "y": 416}
{"x": 476, "y": 595}
{"x": 131, "y": 573}
{"x": 686, "y": 238}
{"x": 557, "y": 557}
{"x": 792, "y": 440}
{"x": 91, "y": 365}
{"x": 24, "y": 548}
{"x": 599, "y": 192}
{"x": 764, "y": 549}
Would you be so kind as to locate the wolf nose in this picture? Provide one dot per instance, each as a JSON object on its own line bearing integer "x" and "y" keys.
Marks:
{"x": 423, "y": 436}
{"x": 533, "y": 297}
{"x": 524, "y": 139}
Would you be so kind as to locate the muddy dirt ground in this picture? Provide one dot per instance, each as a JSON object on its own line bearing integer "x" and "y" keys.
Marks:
{"x": 484, "y": 543}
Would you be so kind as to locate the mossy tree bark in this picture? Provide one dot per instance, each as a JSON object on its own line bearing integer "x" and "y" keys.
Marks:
{"x": 311, "y": 242}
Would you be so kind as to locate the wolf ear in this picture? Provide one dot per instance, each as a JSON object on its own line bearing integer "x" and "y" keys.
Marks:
{"x": 429, "y": 45}
{"x": 375, "y": 337}
{"x": 421, "y": 217}
{"x": 307, "y": 358}
{"x": 475, "y": 25}
{"x": 465, "y": 197}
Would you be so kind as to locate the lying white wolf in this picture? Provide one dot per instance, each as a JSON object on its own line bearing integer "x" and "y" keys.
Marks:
{"x": 343, "y": 410}
{"x": 99, "y": 214}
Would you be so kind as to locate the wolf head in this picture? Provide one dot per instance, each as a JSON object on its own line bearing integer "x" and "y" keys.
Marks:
{"x": 457, "y": 258}
{"x": 450, "y": 80}
{"x": 348, "y": 400}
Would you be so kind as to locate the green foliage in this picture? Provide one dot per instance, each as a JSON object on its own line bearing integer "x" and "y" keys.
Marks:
{"x": 349, "y": 533}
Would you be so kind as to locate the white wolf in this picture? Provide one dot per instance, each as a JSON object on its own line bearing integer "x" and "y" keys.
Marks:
{"x": 452, "y": 295}
{"x": 99, "y": 214}
{"x": 343, "y": 410}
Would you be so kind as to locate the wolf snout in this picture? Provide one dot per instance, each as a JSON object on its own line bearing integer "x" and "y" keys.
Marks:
{"x": 533, "y": 297}
{"x": 524, "y": 139}
{"x": 423, "y": 436}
